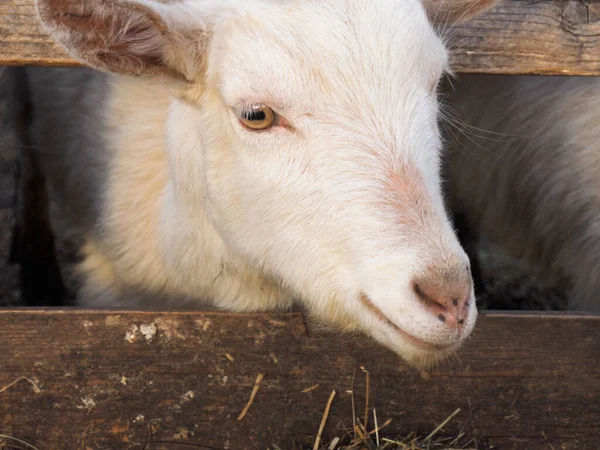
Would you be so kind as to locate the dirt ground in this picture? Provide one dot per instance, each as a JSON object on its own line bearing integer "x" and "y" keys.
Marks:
{"x": 507, "y": 284}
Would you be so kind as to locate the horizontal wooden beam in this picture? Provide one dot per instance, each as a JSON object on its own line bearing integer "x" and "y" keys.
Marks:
{"x": 550, "y": 37}
{"x": 517, "y": 37}
{"x": 178, "y": 380}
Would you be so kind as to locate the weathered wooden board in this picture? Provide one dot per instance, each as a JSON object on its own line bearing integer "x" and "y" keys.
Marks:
{"x": 523, "y": 381}
{"x": 556, "y": 37}
{"x": 517, "y": 37}
{"x": 22, "y": 41}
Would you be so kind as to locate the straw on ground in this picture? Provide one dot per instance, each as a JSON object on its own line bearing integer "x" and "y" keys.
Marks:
{"x": 257, "y": 383}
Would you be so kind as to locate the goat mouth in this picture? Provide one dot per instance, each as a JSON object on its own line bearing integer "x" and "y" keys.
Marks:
{"x": 419, "y": 343}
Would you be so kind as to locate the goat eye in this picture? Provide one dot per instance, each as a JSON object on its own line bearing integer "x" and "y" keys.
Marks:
{"x": 257, "y": 117}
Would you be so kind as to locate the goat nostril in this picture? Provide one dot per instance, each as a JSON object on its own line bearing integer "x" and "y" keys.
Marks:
{"x": 445, "y": 298}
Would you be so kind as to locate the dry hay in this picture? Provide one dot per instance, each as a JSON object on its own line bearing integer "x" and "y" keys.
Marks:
{"x": 13, "y": 443}
{"x": 360, "y": 437}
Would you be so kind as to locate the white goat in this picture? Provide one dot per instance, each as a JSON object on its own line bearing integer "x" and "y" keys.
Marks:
{"x": 262, "y": 152}
{"x": 534, "y": 187}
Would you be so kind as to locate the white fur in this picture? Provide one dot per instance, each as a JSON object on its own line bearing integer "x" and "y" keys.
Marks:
{"x": 177, "y": 200}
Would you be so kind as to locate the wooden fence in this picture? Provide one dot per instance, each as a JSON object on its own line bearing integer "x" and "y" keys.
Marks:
{"x": 518, "y": 37}
{"x": 72, "y": 379}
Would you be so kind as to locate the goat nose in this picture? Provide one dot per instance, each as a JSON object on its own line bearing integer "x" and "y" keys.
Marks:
{"x": 446, "y": 295}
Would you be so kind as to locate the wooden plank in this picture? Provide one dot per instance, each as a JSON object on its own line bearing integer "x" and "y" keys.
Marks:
{"x": 517, "y": 37}
{"x": 560, "y": 37}
{"x": 23, "y": 41}
{"x": 523, "y": 381}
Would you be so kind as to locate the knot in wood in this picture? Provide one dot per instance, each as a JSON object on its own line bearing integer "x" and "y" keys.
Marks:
{"x": 580, "y": 15}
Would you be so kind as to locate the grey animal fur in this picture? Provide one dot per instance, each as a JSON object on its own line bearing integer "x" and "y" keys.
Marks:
{"x": 533, "y": 184}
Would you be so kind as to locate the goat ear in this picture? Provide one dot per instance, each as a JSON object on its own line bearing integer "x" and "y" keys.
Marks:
{"x": 130, "y": 37}
{"x": 456, "y": 11}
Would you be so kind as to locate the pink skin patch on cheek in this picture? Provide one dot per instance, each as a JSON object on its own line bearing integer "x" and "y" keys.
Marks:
{"x": 405, "y": 196}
